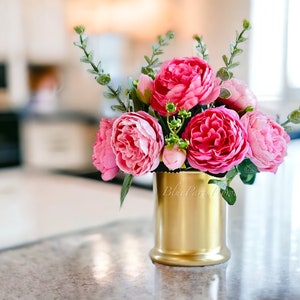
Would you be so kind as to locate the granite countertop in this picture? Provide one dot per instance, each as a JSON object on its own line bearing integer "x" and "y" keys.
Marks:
{"x": 66, "y": 238}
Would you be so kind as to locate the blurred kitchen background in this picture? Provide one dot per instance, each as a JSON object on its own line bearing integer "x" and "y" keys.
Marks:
{"x": 50, "y": 106}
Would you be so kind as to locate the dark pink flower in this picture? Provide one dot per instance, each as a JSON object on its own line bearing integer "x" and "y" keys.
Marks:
{"x": 218, "y": 140}
{"x": 185, "y": 82}
{"x": 137, "y": 142}
{"x": 241, "y": 96}
{"x": 267, "y": 139}
{"x": 103, "y": 157}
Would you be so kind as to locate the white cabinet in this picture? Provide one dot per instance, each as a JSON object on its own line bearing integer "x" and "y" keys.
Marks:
{"x": 58, "y": 144}
{"x": 44, "y": 30}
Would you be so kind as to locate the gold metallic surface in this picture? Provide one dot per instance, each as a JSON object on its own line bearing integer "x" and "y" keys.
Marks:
{"x": 190, "y": 220}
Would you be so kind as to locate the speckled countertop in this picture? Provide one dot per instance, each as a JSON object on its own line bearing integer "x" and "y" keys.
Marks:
{"x": 73, "y": 242}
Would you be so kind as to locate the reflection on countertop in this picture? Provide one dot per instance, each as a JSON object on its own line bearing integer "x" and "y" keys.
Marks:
{"x": 66, "y": 238}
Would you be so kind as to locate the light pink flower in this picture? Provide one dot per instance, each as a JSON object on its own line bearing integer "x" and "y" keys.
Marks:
{"x": 137, "y": 142}
{"x": 267, "y": 139}
{"x": 144, "y": 88}
{"x": 103, "y": 157}
{"x": 173, "y": 157}
{"x": 186, "y": 82}
{"x": 241, "y": 96}
{"x": 217, "y": 140}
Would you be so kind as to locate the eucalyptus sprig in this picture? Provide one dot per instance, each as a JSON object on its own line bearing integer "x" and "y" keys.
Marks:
{"x": 153, "y": 62}
{"x": 100, "y": 76}
{"x": 201, "y": 47}
{"x": 224, "y": 73}
{"x": 293, "y": 117}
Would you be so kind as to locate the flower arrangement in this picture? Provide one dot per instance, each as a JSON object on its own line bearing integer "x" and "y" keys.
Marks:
{"x": 182, "y": 115}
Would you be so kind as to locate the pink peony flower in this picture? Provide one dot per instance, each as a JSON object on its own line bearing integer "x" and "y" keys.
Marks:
{"x": 241, "y": 96}
{"x": 103, "y": 157}
{"x": 267, "y": 139}
{"x": 218, "y": 140}
{"x": 173, "y": 157}
{"x": 186, "y": 82}
{"x": 144, "y": 88}
{"x": 137, "y": 142}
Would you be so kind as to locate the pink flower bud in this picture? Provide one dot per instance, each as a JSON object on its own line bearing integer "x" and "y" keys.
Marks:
{"x": 173, "y": 157}
{"x": 144, "y": 88}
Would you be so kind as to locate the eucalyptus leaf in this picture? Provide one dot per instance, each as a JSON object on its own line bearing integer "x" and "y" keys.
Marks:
{"x": 120, "y": 108}
{"x": 224, "y": 74}
{"x": 246, "y": 25}
{"x": 225, "y": 59}
{"x": 147, "y": 59}
{"x": 92, "y": 71}
{"x": 90, "y": 56}
{"x": 224, "y": 93}
{"x": 84, "y": 42}
{"x": 77, "y": 44}
{"x": 79, "y": 29}
{"x": 294, "y": 116}
{"x": 236, "y": 52}
{"x": 84, "y": 59}
{"x": 103, "y": 79}
{"x": 109, "y": 95}
{"x": 233, "y": 65}
{"x": 125, "y": 187}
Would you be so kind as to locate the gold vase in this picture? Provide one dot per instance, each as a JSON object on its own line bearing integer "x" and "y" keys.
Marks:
{"x": 190, "y": 220}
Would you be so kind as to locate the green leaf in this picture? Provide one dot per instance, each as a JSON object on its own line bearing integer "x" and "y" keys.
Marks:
{"x": 78, "y": 44}
{"x": 90, "y": 56}
{"x": 84, "y": 42}
{"x": 229, "y": 195}
{"x": 232, "y": 173}
{"x": 241, "y": 39}
{"x": 125, "y": 187}
{"x": 120, "y": 108}
{"x": 84, "y": 59}
{"x": 233, "y": 65}
{"x": 224, "y": 74}
{"x": 147, "y": 59}
{"x": 246, "y": 24}
{"x": 79, "y": 29}
{"x": 236, "y": 52}
{"x": 224, "y": 93}
{"x": 103, "y": 79}
{"x": 225, "y": 59}
{"x": 109, "y": 95}
{"x": 92, "y": 71}
{"x": 248, "y": 178}
{"x": 247, "y": 167}
{"x": 220, "y": 183}
{"x": 170, "y": 35}
{"x": 294, "y": 116}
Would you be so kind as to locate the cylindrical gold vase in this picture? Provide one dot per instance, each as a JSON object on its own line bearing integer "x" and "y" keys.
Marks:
{"x": 190, "y": 220}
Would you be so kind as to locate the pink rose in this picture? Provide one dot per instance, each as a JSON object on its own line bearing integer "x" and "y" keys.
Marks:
{"x": 103, "y": 157}
{"x": 241, "y": 96}
{"x": 137, "y": 141}
{"x": 218, "y": 140}
{"x": 185, "y": 82}
{"x": 173, "y": 157}
{"x": 144, "y": 88}
{"x": 267, "y": 139}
